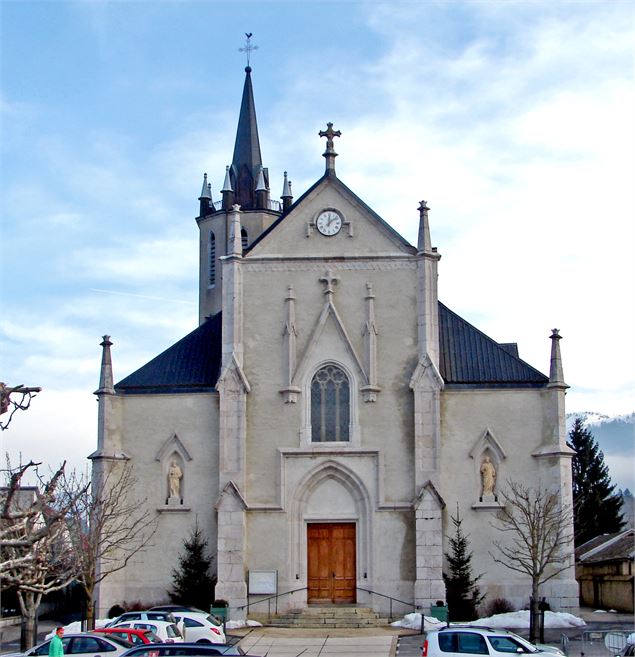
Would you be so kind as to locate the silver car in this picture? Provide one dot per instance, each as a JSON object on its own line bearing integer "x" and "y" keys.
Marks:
{"x": 89, "y": 645}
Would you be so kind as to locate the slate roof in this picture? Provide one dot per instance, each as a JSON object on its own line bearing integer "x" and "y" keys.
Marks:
{"x": 468, "y": 358}
{"x": 190, "y": 365}
{"x": 608, "y": 547}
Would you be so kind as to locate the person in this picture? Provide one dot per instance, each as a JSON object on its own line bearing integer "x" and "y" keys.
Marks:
{"x": 488, "y": 476}
{"x": 56, "y": 647}
{"x": 174, "y": 479}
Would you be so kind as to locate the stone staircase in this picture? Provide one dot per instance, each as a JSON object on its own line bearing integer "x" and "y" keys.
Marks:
{"x": 329, "y": 617}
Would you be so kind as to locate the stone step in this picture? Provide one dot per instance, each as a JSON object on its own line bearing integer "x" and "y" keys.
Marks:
{"x": 329, "y": 617}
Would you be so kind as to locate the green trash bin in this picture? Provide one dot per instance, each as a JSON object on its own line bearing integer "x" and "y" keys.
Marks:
{"x": 440, "y": 612}
{"x": 220, "y": 613}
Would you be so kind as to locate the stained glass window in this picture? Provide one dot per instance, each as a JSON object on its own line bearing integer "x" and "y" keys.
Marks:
{"x": 330, "y": 405}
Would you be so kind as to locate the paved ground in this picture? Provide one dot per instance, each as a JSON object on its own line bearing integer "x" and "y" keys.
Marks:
{"x": 341, "y": 643}
{"x": 586, "y": 641}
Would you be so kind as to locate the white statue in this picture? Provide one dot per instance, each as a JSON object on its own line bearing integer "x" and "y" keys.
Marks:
{"x": 488, "y": 476}
{"x": 174, "y": 480}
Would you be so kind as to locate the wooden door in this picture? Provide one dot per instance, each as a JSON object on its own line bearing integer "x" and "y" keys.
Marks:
{"x": 331, "y": 563}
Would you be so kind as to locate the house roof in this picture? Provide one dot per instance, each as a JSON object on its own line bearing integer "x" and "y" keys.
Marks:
{"x": 468, "y": 358}
{"x": 608, "y": 547}
{"x": 190, "y": 365}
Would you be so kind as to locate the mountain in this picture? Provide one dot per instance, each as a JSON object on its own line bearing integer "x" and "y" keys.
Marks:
{"x": 616, "y": 437}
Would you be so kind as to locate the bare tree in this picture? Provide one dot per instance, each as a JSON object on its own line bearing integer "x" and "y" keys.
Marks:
{"x": 108, "y": 525}
{"x": 35, "y": 558}
{"x": 540, "y": 538}
{"x": 6, "y": 403}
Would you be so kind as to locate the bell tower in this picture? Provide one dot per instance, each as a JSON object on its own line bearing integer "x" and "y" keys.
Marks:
{"x": 246, "y": 184}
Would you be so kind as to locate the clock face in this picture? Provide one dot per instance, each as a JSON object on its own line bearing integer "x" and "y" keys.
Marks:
{"x": 329, "y": 222}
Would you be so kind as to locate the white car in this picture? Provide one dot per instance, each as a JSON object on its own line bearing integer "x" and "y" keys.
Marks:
{"x": 199, "y": 627}
{"x": 461, "y": 641}
{"x": 166, "y": 631}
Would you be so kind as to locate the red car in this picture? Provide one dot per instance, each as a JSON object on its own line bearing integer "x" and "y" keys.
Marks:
{"x": 130, "y": 634}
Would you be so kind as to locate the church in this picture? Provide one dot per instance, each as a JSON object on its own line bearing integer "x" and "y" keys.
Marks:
{"x": 329, "y": 414}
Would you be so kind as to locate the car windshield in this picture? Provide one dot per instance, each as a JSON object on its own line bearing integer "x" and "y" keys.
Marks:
{"x": 211, "y": 619}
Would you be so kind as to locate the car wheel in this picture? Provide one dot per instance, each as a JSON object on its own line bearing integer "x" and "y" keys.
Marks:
{"x": 203, "y": 641}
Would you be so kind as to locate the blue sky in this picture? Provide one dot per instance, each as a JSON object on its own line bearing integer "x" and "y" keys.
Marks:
{"x": 513, "y": 120}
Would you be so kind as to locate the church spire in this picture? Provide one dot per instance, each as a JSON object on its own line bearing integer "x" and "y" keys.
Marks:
{"x": 247, "y": 160}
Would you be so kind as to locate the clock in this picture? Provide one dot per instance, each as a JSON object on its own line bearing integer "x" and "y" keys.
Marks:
{"x": 329, "y": 222}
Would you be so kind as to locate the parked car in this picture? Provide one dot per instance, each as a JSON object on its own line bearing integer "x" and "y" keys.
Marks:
{"x": 173, "y": 608}
{"x": 185, "y": 650}
{"x": 459, "y": 641}
{"x": 85, "y": 644}
{"x": 167, "y": 632}
{"x": 142, "y": 616}
{"x": 199, "y": 627}
{"x": 135, "y": 636}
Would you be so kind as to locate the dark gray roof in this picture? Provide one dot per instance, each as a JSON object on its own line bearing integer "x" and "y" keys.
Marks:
{"x": 247, "y": 159}
{"x": 608, "y": 547}
{"x": 469, "y": 357}
{"x": 190, "y": 365}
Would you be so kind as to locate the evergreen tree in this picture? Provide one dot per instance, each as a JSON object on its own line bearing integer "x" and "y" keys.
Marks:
{"x": 463, "y": 595}
{"x": 192, "y": 582}
{"x": 596, "y": 507}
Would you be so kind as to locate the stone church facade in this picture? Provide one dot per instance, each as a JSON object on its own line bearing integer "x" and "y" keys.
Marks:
{"x": 329, "y": 413}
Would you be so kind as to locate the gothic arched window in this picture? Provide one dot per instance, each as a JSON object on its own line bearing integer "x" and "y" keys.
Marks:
{"x": 243, "y": 238}
{"x": 330, "y": 405}
{"x": 212, "y": 258}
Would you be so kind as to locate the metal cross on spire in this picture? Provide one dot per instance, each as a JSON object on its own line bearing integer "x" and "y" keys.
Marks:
{"x": 330, "y": 153}
{"x": 249, "y": 47}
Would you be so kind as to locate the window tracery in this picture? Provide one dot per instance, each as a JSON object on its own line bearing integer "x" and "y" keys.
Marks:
{"x": 330, "y": 405}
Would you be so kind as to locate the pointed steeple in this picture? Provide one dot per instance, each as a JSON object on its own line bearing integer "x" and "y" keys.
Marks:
{"x": 227, "y": 191}
{"x": 205, "y": 198}
{"x": 287, "y": 195}
{"x": 556, "y": 376}
{"x": 247, "y": 160}
{"x": 105, "y": 374}
{"x": 424, "y": 244}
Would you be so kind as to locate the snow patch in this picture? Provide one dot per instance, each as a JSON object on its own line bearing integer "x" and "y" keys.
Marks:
{"x": 413, "y": 622}
{"x": 515, "y": 620}
{"x": 236, "y": 624}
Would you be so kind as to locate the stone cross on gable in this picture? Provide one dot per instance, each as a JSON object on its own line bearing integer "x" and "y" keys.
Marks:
{"x": 329, "y": 133}
{"x": 329, "y": 281}
{"x": 330, "y": 153}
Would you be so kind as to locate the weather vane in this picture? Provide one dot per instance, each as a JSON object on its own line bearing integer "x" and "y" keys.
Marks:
{"x": 249, "y": 47}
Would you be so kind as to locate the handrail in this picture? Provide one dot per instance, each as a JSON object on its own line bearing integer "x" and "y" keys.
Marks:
{"x": 269, "y": 599}
{"x": 275, "y": 597}
{"x": 383, "y": 595}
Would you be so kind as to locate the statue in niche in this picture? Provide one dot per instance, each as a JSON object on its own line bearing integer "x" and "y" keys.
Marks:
{"x": 175, "y": 474}
{"x": 488, "y": 477}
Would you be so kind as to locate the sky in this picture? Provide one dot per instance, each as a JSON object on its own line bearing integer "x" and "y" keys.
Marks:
{"x": 513, "y": 120}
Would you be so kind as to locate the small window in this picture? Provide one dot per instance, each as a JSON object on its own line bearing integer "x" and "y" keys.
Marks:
{"x": 505, "y": 644}
{"x": 83, "y": 644}
{"x": 330, "y": 405}
{"x": 243, "y": 238}
{"x": 448, "y": 642}
{"x": 189, "y": 622}
{"x": 471, "y": 643}
{"x": 104, "y": 646}
{"x": 212, "y": 258}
